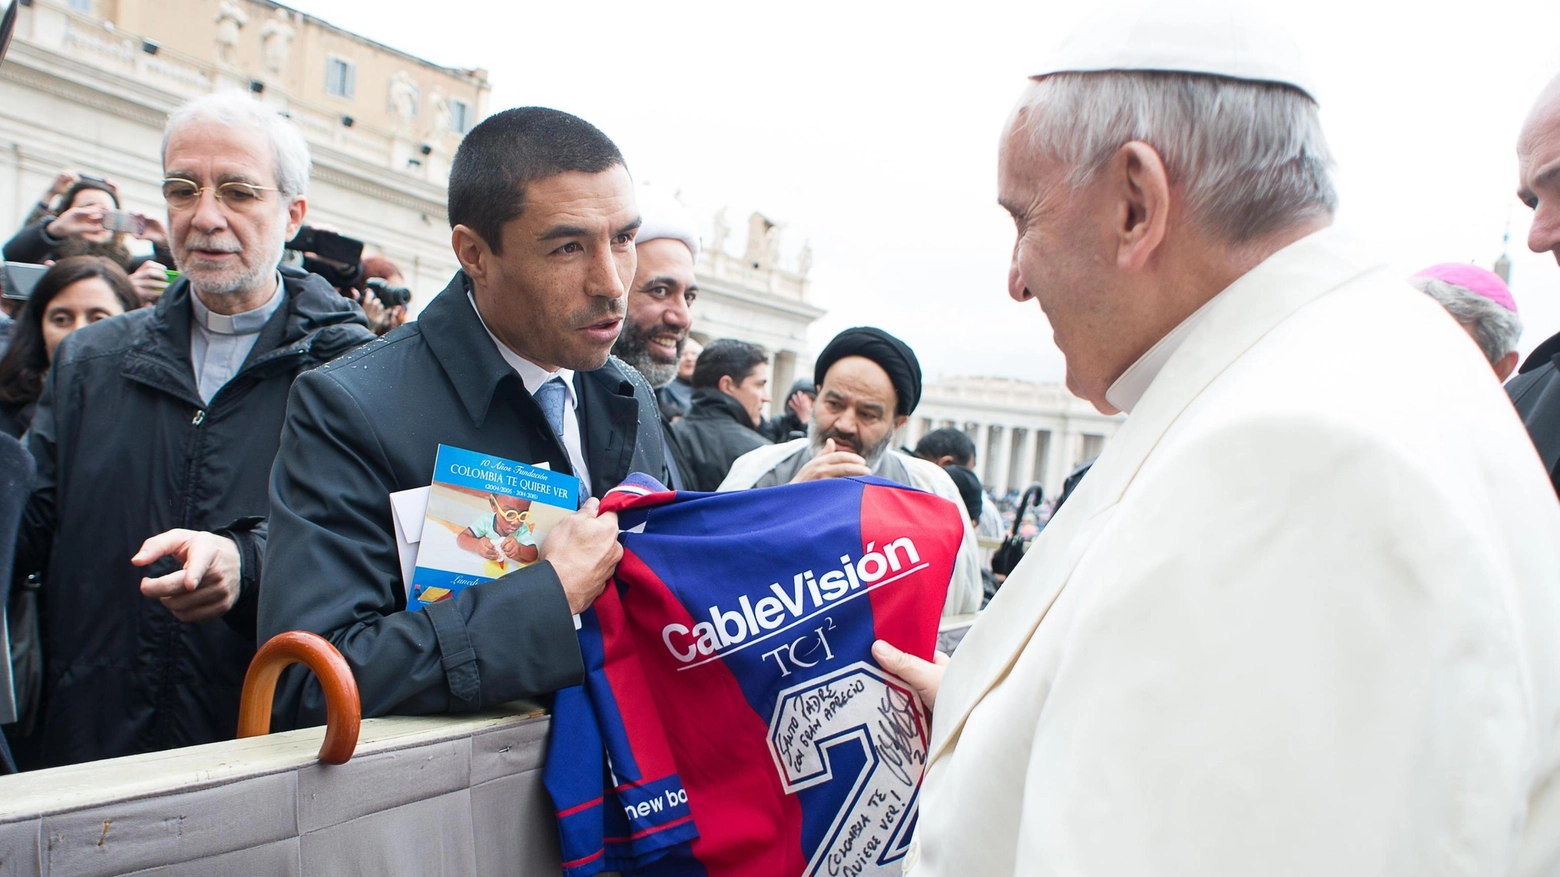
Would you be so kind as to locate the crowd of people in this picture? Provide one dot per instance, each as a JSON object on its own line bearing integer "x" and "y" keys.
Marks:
{"x": 1311, "y": 584}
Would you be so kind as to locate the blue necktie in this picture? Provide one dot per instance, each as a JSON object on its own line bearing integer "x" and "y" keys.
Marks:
{"x": 551, "y": 395}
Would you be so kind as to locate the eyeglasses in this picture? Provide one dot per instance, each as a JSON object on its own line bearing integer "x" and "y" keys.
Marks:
{"x": 237, "y": 197}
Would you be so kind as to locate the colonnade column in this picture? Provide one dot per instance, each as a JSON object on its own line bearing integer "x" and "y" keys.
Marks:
{"x": 1005, "y": 459}
{"x": 1026, "y": 458}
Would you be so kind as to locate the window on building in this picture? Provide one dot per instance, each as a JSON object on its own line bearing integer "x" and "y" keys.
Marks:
{"x": 340, "y": 77}
{"x": 461, "y": 116}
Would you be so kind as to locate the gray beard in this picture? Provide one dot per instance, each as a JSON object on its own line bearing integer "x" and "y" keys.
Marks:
{"x": 255, "y": 276}
{"x": 630, "y": 348}
{"x": 872, "y": 454}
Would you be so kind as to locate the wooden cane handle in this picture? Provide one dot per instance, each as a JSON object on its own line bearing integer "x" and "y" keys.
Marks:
{"x": 343, "y": 709}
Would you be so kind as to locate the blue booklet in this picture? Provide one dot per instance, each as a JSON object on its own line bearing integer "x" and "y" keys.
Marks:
{"x": 486, "y": 517}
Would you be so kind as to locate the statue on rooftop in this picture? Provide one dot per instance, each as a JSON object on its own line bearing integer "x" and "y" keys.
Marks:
{"x": 230, "y": 22}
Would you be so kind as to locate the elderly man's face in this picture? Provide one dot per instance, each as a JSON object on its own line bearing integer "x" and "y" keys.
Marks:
{"x": 1538, "y": 158}
{"x": 658, "y": 310}
{"x": 555, "y": 294}
{"x": 1063, "y": 258}
{"x": 855, "y": 407}
{"x": 227, "y": 252}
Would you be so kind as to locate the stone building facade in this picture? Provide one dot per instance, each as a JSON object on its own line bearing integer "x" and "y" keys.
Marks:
{"x": 1023, "y": 431}
{"x": 88, "y": 84}
{"x": 758, "y": 298}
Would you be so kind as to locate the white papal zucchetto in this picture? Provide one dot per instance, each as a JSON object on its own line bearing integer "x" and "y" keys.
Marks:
{"x": 1233, "y": 38}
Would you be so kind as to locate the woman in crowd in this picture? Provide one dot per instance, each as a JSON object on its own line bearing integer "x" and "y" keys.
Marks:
{"x": 78, "y": 290}
{"x": 75, "y": 228}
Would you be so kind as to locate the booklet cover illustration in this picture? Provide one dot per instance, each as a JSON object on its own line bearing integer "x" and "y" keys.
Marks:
{"x": 486, "y": 517}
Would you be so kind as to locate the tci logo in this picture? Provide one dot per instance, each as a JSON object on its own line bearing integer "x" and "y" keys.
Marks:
{"x": 805, "y": 651}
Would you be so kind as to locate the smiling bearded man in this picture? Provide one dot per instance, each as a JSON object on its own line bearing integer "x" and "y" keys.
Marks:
{"x": 662, "y": 293}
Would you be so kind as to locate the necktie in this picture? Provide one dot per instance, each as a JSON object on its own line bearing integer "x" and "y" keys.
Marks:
{"x": 552, "y": 395}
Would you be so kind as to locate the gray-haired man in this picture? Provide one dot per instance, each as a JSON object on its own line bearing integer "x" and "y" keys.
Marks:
{"x": 154, "y": 440}
{"x": 1290, "y": 623}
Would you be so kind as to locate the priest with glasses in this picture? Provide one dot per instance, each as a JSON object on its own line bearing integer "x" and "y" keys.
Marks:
{"x": 154, "y": 439}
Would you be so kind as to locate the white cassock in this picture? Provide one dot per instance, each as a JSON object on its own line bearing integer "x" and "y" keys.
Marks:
{"x": 1302, "y": 618}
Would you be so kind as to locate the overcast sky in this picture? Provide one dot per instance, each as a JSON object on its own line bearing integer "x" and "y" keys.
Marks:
{"x": 870, "y": 129}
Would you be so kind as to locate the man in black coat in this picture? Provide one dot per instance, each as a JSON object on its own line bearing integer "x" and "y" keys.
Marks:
{"x": 154, "y": 439}
{"x": 512, "y": 360}
{"x": 730, "y": 389}
{"x": 1536, "y": 388}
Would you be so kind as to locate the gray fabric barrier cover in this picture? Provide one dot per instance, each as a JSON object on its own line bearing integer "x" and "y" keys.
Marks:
{"x": 469, "y": 804}
{"x": 423, "y": 797}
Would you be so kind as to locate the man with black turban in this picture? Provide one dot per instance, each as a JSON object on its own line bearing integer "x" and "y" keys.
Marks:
{"x": 868, "y": 384}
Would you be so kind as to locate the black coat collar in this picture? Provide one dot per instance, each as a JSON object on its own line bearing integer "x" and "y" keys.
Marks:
{"x": 313, "y": 325}
{"x": 712, "y": 404}
{"x": 608, "y": 411}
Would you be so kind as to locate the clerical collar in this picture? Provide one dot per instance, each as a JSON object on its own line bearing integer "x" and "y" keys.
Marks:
{"x": 246, "y": 323}
{"x": 1128, "y": 389}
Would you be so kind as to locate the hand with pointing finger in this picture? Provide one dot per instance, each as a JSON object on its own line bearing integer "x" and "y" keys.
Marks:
{"x": 206, "y": 587}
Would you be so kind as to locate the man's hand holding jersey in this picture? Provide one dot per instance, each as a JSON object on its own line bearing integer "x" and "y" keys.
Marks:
{"x": 584, "y": 552}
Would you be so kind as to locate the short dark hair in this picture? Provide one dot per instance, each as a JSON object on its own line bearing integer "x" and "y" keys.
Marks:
{"x": 511, "y": 149}
{"x": 726, "y": 356}
{"x": 76, "y": 188}
{"x": 947, "y": 442}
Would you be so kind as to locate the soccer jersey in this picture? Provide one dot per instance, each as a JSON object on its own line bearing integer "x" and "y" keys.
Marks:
{"x": 733, "y": 722}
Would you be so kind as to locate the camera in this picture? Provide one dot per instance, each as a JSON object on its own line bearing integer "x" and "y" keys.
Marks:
{"x": 389, "y": 296}
{"x": 124, "y": 221}
{"x": 335, "y": 257}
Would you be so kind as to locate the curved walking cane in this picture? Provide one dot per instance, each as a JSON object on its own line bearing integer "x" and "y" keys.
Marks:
{"x": 343, "y": 709}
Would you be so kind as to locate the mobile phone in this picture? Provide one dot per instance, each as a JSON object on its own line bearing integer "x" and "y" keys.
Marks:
{"x": 20, "y": 278}
{"x": 124, "y": 220}
{"x": 93, "y": 177}
{"x": 172, "y": 275}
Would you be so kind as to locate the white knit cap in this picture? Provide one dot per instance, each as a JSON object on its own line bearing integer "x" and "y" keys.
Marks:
{"x": 665, "y": 217}
{"x": 1233, "y": 38}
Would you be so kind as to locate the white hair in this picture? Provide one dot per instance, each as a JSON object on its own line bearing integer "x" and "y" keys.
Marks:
{"x": 1250, "y": 156}
{"x": 236, "y": 109}
{"x": 1494, "y": 328}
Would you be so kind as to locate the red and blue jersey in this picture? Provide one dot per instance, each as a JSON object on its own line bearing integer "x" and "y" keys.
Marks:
{"x": 733, "y": 722}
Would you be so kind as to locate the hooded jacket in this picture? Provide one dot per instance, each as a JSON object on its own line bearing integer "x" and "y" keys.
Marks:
{"x": 716, "y": 431}
{"x": 126, "y": 449}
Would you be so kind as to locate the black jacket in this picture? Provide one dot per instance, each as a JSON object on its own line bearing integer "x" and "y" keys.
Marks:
{"x": 126, "y": 449}
{"x": 716, "y": 431}
{"x": 1535, "y": 392}
{"x": 368, "y": 425}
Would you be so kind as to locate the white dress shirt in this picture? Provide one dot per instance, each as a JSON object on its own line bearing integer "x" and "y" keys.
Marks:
{"x": 533, "y": 376}
{"x": 219, "y": 343}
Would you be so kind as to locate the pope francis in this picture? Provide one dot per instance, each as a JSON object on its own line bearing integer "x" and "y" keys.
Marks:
{"x": 1298, "y": 619}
